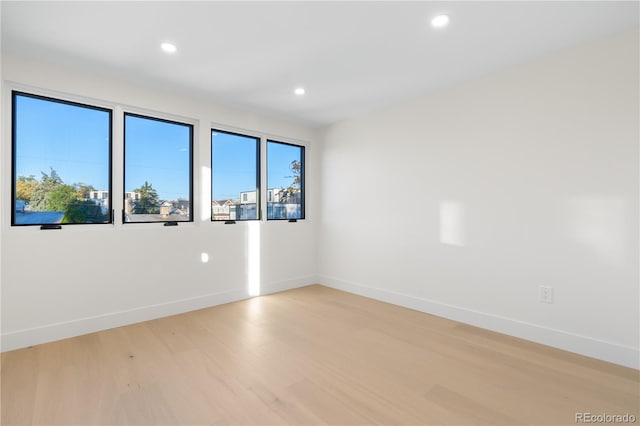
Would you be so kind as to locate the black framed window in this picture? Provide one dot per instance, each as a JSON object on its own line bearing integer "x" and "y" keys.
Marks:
{"x": 158, "y": 170}
{"x": 61, "y": 154}
{"x": 235, "y": 176}
{"x": 285, "y": 181}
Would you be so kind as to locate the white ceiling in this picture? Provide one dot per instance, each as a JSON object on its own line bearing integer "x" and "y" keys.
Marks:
{"x": 351, "y": 57}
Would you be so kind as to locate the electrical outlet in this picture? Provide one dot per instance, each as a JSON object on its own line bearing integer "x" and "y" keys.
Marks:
{"x": 546, "y": 294}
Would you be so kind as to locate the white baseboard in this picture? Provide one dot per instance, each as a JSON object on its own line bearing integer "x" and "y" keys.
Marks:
{"x": 62, "y": 330}
{"x": 583, "y": 345}
{"x": 607, "y": 351}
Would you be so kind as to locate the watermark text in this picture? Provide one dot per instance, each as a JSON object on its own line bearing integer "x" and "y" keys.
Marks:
{"x": 605, "y": 418}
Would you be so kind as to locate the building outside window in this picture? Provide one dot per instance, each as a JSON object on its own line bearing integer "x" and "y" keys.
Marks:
{"x": 235, "y": 176}
{"x": 285, "y": 181}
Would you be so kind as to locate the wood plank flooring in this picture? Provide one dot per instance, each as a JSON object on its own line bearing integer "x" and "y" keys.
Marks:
{"x": 307, "y": 356}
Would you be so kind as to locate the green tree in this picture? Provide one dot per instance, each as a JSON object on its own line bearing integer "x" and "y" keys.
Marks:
{"x": 42, "y": 191}
{"x": 74, "y": 213}
{"x": 291, "y": 193}
{"x": 25, "y": 186}
{"x": 61, "y": 196}
{"x": 149, "y": 202}
{"x": 84, "y": 211}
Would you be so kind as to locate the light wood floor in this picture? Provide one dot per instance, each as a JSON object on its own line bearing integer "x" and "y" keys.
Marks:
{"x": 307, "y": 356}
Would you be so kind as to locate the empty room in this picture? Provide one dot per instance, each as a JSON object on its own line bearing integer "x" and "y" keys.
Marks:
{"x": 320, "y": 213}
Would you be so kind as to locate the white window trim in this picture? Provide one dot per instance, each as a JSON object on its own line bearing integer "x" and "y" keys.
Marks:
{"x": 195, "y": 202}
{"x": 201, "y": 163}
{"x": 6, "y": 197}
{"x": 117, "y": 157}
{"x": 264, "y": 136}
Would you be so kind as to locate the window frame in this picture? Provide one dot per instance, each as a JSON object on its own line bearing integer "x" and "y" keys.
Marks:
{"x": 199, "y": 165}
{"x": 258, "y": 188}
{"x": 303, "y": 189}
{"x": 149, "y": 116}
{"x": 14, "y": 93}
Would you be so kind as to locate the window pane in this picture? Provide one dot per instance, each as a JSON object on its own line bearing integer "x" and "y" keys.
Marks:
{"x": 61, "y": 154}
{"x": 285, "y": 181}
{"x": 234, "y": 176}
{"x": 157, "y": 170}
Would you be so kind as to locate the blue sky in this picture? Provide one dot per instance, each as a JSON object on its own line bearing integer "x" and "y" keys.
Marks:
{"x": 157, "y": 152}
{"x": 74, "y": 141}
{"x": 233, "y": 165}
{"x": 279, "y": 158}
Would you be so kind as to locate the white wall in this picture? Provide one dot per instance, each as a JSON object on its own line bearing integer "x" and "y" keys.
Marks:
{"x": 85, "y": 278}
{"x": 463, "y": 202}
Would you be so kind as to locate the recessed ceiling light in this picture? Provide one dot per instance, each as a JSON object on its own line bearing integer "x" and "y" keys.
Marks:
{"x": 440, "y": 21}
{"x": 299, "y": 91}
{"x": 169, "y": 47}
